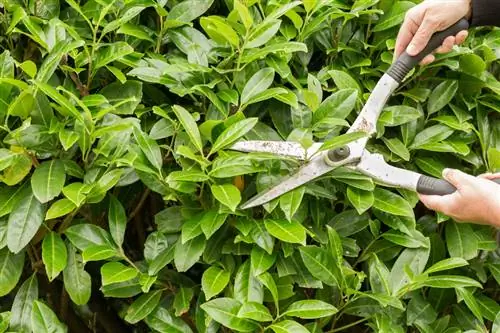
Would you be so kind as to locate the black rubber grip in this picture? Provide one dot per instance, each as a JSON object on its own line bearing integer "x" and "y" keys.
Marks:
{"x": 434, "y": 186}
{"x": 405, "y": 63}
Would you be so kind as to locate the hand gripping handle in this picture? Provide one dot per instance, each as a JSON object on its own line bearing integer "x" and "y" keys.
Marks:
{"x": 405, "y": 63}
{"x": 434, "y": 186}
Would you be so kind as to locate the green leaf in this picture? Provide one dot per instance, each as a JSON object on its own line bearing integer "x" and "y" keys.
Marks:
{"x": 187, "y": 11}
{"x": 227, "y": 194}
{"x": 244, "y": 14}
{"x": 22, "y": 306}
{"x": 48, "y": 180}
{"x": 413, "y": 240}
{"x": 441, "y": 96}
{"x": 460, "y": 240}
{"x": 247, "y": 287}
{"x": 394, "y": 16}
{"x": 338, "y": 105}
{"x": 361, "y": 200}
{"x": 162, "y": 321}
{"x": 287, "y": 231}
{"x": 446, "y": 264}
{"x": 261, "y": 261}
{"x": 213, "y": 281}
{"x": 54, "y": 255}
{"x": 77, "y": 281}
{"x": 341, "y": 140}
{"x": 398, "y": 115}
{"x": 262, "y": 33}
{"x": 310, "y": 309}
{"x": 60, "y": 208}
{"x": 11, "y": 267}
{"x": 449, "y": 281}
{"x": 290, "y": 202}
{"x": 411, "y": 259}
{"x": 115, "y": 272}
{"x": 117, "y": 220}
{"x": 189, "y": 126}
{"x": 86, "y": 234}
{"x": 288, "y": 326}
{"x": 149, "y": 147}
{"x": 124, "y": 97}
{"x": 431, "y": 134}
{"x": 259, "y": 82}
{"x": 233, "y": 133}
{"x": 496, "y": 324}
{"x": 343, "y": 80}
{"x": 225, "y": 311}
{"x": 320, "y": 263}
{"x": 182, "y": 301}
{"x": 391, "y": 203}
{"x": 24, "y": 221}
{"x": 98, "y": 252}
{"x": 187, "y": 254}
{"x": 219, "y": 30}
{"x": 44, "y": 320}
{"x": 211, "y": 222}
{"x": 254, "y": 311}
{"x": 109, "y": 53}
{"x": 143, "y": 306}
{"x": 397, "y": 147}
{"x": 470, "y": 300}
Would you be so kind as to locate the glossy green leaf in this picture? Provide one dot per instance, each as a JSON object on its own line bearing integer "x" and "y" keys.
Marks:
{"x": 227, "y": 194}
{"x": 225, "y": 311}
{"x": 310, "y": 309}
{"x": 460, "y": 240}
{"x": 213, "y": 281}
{"x": 259, "y": 82}
{"x": 11, "y": 267}
{"x": 117, "y": 220}
{"x": 44, "y": 320}
{"x": 115, "y": 272}
{"x": 163, "y": 321}
{"x": 24, "y": 221}
{"x": 189, "y": 126}
{"x": 77, "y": 281}
{"x": 391, "y": 203}
{"x": 287, "y": 326}
{"x": 441, "y": 96}
{"x": 143, "y": 306}
{"x": 22, "y": 306}
{"x": 254, "y": 311}
{"x": 233, "y": 133}
{"x": 182, "y": 301}
{"x": 54, "y": 255}
{"x": 287, "y": 231}
{"x": 320, "y": 264}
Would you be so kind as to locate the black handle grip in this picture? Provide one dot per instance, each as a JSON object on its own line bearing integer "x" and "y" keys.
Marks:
{"x": 434, "y": 186}
{"x": 405, "y": 63}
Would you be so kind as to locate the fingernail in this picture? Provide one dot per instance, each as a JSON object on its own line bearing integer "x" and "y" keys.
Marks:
{"x": 446, "y": 172}
{"x": 411, "y": 49}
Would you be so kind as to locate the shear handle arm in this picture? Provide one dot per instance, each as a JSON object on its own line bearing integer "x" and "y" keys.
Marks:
{"x": 434, "y": 186}
{"x": 405, "y": 63}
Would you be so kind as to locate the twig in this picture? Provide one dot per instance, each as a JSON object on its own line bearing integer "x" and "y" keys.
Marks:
{"x": 140, "y": 204}
{"x": 348, "y": 325}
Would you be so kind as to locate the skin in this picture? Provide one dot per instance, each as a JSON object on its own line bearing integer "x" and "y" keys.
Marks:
{"x": 477, "y": 199}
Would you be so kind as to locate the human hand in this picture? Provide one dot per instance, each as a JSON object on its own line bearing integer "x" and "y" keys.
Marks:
{"x": 477, "y": 199}
{"x": 426, "y": 18}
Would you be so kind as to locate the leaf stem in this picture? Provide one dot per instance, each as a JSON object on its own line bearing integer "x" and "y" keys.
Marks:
{"x": 348, "y": 325}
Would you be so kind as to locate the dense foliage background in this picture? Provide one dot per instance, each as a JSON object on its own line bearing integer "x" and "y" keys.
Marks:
{"x": 118, "y": 196}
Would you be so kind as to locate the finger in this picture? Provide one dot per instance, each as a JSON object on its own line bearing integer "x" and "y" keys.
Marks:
{"x": 405, "y": 35}
{"x": 427, "y": 60}
{"x": 461, "y": 37}
{"x": 490, "y": 175}
{"x": 447, "y": 45}
{"x": 437, "y": 202}
{"x": 422, "y": 37}
{"x": 458, "y": 178}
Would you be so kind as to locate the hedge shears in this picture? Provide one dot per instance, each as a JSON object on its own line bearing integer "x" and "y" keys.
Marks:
{"x": 354, "y": 155}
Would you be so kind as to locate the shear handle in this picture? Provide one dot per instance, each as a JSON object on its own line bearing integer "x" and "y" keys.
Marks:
{"x": 434, "y": 186}
{"x": 405, "y": 63}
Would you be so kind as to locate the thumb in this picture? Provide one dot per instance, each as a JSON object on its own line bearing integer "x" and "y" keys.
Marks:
{"x": 457, "y": 178}
{"x": 422, "y": 37}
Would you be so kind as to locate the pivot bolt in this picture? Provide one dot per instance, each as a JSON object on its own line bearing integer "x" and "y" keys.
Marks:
{"x": 339, "y": 154}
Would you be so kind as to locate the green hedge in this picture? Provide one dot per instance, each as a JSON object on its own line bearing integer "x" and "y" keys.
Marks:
{"x": 119, "y": 198}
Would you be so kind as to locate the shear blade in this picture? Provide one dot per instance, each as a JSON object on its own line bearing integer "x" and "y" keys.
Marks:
{"x": 281, "y": 148}
{"x": 313, "y": 169}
